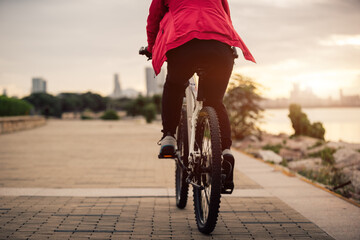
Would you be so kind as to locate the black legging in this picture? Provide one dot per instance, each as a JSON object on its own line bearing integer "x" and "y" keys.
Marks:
{"x": 217, "y": 60}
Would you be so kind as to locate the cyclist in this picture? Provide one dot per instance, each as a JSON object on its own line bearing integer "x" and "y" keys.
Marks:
{"x": 188, "y": 34}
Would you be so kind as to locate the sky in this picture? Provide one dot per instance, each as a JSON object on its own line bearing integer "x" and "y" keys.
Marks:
{"x": 78, "y": 45}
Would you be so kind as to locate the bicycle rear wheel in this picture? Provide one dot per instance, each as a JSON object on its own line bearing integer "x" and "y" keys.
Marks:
{"x": 181, "y": 186}
{"x": 208, "y": 171}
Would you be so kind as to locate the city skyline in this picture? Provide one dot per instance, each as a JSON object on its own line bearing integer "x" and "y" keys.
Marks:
{"x": 307, "y": 98}
{"x": 77, "y": 45}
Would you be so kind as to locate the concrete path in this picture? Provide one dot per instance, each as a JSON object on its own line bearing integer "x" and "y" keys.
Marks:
{"x": 102, "y": 180}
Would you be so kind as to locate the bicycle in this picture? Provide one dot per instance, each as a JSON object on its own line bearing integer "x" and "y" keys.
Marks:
{"x": 199, "y": 156}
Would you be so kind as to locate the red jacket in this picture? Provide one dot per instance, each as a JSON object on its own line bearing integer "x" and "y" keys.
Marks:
{"x": 172, "y": 23}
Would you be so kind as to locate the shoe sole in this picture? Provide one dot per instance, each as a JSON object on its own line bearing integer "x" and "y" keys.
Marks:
{"x": 167, "y": 151}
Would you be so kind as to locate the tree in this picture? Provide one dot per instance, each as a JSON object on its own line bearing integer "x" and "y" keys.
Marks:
{"x": 93, "y": 101}
{"x": 45, "y": 104}
{"x": 145, "y": 106}
{"x": 71, "y": 102}
{"x": 156, "y": 99}
{"x": 302, "y": 125}
{"x": 14, "y": 107}
{"x": 242, "y": 101}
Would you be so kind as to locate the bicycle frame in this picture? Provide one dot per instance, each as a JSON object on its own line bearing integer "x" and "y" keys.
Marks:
{"x": 193, "y": 107}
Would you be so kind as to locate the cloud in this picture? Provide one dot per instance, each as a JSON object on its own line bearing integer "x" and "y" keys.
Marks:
{"x": 341, "y": 40}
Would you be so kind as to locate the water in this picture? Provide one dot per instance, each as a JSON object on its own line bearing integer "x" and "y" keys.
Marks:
{"x": 339, "y": 123}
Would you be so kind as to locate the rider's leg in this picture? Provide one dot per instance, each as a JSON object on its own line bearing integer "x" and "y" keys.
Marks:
{"x": 218, "y": 71}
{"x": 179, "y": 71}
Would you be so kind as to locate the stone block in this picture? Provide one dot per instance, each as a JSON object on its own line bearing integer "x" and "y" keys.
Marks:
{"x": 268, "y": 155}
{"x": 313, "y": 164}
{"x": 346, "y": 157}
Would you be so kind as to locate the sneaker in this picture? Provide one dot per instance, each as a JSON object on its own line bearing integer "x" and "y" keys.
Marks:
{"x": 228, "y": 170}
{"x": 167, "y": 149}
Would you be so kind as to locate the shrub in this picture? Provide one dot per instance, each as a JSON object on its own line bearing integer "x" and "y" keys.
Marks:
{"x": 317, "y": 130}
{"x": 149, "y": 112}
{"x": 110, "y": 115}
{"x": 14, "y": 107}
{"x": 85, "y": 117}
{"x": 326, "y": 155}
{"x": 302, "y": 125}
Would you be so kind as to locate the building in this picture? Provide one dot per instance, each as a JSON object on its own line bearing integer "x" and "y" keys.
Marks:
{"x": 117, "y": 89}
{"x": 38, "y": 85}
{"x": 304, "y": 97}
{"x": 154, "y": 84}
{"x": 120, "y": 93}
{"x": 350, "y": 100}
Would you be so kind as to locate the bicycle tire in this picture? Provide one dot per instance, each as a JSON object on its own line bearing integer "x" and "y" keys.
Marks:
{"x": 181, "y": 186}
{"x": 208, "y": 173}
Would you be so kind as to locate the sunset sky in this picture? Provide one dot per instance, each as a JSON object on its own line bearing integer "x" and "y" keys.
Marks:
{"x": 78, "y": 45}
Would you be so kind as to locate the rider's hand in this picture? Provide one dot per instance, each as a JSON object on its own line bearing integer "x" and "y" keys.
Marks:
{"x": 145, "y": 51}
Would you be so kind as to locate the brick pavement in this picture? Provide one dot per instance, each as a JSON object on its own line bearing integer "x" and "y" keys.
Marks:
{"x": 97, "y": 154}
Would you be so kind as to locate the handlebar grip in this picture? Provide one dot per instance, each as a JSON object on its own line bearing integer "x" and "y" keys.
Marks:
{"x": 144, "y": 51}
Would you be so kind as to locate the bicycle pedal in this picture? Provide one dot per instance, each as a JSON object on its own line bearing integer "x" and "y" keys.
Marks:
{"x": 171, "y": 156}
{"x": 227, "y": 191}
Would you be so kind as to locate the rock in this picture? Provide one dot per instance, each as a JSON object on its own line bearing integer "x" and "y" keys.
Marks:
{"x": 237, "y": 144}
{"x": 296, "y": 145}
{"x": 347, "y": 172}
{"x": 345, "y": 157}
{"x": 252, "y": 138}
{"x": 243, "y": 145}
{"x": 301, "y": 143}
{"x": 316, "y": 149}
{"x": 313, "y": 164}
{"x": 290, "y": 155}
{"x": 271, "y": 140}
{"x": 308, "y": 141}
{"x": 355, "y": 180}
{"x": 337, "y": 145}
{"x": 268, "y": 155}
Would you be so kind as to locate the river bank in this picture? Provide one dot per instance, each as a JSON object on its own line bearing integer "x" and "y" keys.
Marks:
{"x": 335, "y": 164}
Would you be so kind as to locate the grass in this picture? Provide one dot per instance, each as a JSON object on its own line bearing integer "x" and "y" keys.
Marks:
{"x": 275, "y": 148}
{"x": 284, "y": 163}
{"x": 327, "y": 176}
{"x": 317, "y": 144}
{"x": 326, "y": 156}
{"x": 331, "y": 177}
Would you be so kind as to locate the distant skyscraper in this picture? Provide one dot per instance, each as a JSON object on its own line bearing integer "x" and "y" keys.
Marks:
{"x": 4, "y": 92}
{"x": 117, "y": 89}
{"x": 38, "y": 85}
{"x": 154, "y": 84}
